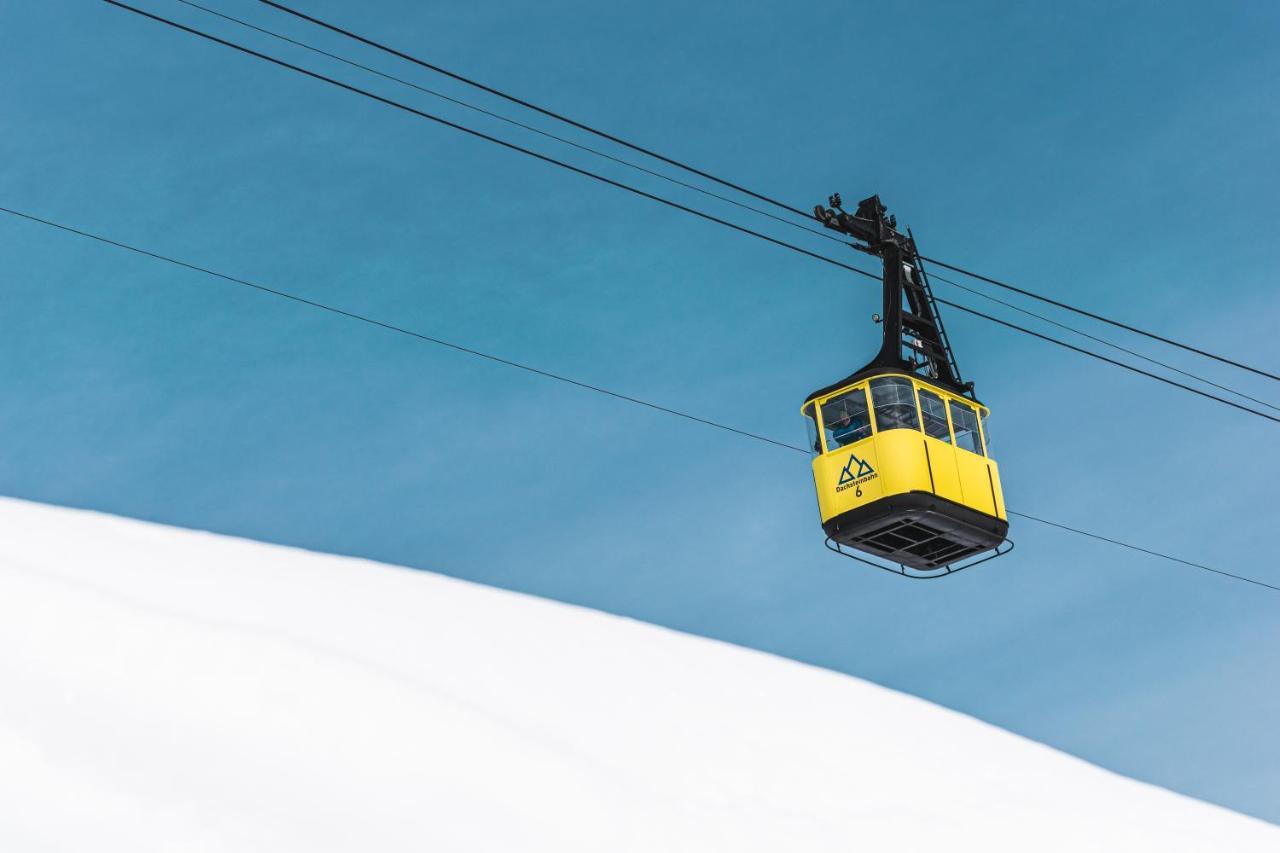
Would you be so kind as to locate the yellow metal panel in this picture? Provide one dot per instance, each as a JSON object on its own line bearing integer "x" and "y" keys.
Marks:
{"x": 977, "y": 480}
{"x": 995, "y": 481}
{"x": 942, "y": 463}
{"x": 902, "y": 461}
{"x": 896, "y": 461}
{"x": 848, "y": 477}
{"x": 888, "y": 463}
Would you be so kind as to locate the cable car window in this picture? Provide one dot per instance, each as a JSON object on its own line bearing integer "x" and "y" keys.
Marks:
{"x": 986, "y": 433}
{"x": 895, "y": 401}
{"x": 845, "y": 419}
{"x": 812, "y": 426}
{"x": 966, "y": 424}
{"x": 934, "y": 415}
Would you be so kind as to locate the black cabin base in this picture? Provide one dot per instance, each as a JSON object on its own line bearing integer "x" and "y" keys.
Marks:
{"x": 918, "y": 530}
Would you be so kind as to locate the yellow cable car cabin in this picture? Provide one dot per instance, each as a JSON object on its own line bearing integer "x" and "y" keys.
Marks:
{"x": 901, "y": 457}
{"x": 903, "y": 472}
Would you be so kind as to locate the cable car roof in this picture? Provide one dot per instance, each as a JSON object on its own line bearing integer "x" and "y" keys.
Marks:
{"x": 873, "y": 370}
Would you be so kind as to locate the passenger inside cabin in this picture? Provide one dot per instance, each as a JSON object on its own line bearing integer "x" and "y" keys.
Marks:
{"x": 846, "y": 419}
{"x": 850, "y": 429}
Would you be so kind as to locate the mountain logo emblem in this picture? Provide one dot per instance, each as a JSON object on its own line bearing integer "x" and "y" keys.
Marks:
{"x": 848, "y": 475}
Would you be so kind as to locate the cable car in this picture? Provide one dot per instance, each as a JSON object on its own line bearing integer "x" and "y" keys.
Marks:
{"x": 901, "y": 457}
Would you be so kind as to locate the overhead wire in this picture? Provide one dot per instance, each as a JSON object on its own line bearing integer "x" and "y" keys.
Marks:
{"x": 1024, "y": 330}
{"x": 532, "y": 106}
{"x": 661, "y": 200}
{"x": 665, "y": 177}
{"x": 686, "y": 185}
{"x": 605, "y": 155}
{"x": 1091, "y": 315}
{"x": 724, "y": 182}
{"x": 394, "y": 328}
{"x": 1162, "y": 556}
{"x": 952, "y": 282}
{"x": 491, "y": 114}
{"x": 485, "y": 136}
{"x": 546, "y": 374}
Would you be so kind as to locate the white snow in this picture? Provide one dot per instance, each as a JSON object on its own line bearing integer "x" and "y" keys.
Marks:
{"x": 164, "y": 689}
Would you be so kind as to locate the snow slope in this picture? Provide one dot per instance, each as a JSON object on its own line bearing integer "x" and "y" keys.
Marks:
{"x": 163, "y": 689}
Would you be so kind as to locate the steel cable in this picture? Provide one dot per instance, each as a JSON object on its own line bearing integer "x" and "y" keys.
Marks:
{"x": 546, "y": 374}
{"x": 676, "y": 205}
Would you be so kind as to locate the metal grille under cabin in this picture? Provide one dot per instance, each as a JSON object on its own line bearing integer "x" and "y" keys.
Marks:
{"x": 914, "y": 542}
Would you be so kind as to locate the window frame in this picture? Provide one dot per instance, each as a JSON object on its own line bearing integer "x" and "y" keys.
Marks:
{"x": 915, "y": 399}
{"x": 812, "y": 429}
{"x": 862, "y": 387}
{"x": 948, "y": 399}
{"x": 977, "y": 416}
{"x": 943, "y": 398}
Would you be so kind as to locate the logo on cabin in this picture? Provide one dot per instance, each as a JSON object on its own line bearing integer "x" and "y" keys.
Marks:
{"x": 849, "y": 477}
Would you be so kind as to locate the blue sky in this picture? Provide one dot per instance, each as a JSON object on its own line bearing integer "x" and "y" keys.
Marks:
{"x": 1116, "y": 156}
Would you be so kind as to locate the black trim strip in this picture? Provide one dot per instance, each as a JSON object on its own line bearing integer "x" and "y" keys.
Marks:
{"x": 867, "y": 374}
{"x": 991, "y": 481}
{"x": 933, "y": 486}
